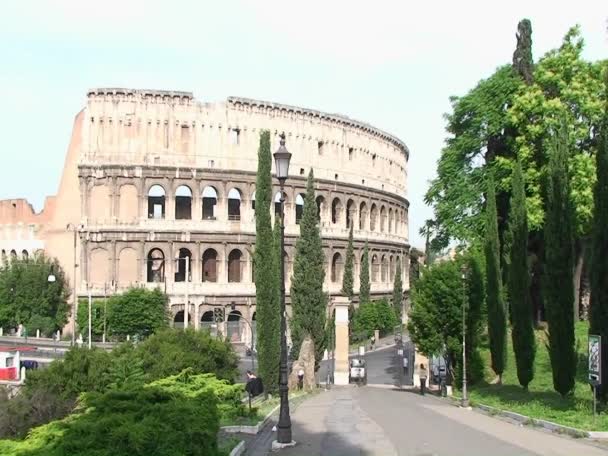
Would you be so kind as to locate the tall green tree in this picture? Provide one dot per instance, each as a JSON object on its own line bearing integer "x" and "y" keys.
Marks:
{"x": 348, "y": 278}
{"x": 475, "y": 313}
{"x": 138, "y": 312}
{"x": 308, "y": 300}
{"x": 364, "y": 285}
{"x": 398, "y": 291}
{"x": 524, "y": 343}
{"x": 598, "y": 316}
{"x": 497, "y": 320}
{"x": 558, "y": 287}
{"x": 26, "y": 293}
{"x": 266, "y": 291}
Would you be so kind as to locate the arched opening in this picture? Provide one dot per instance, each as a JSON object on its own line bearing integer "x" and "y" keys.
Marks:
{"x": 13, "y": 254}
{"x": 3, "y": 256}
{"x": 382, "y": 219}
{"x": 336, "y": 268}
{"x": 253, "y": 202}
{"x": 208, "y": 322}
{"x": 320, "y": 206}
{"x": 210, "y": 266}
{"x": 363, "y": 216}
{"x": 25, "y": 255}
{"x": 235, "y": 266}
{"x": 375, "y": 268}
{"x": 373, "y": 218}
{"x": 234, "y": 326}
{"x": 277, "y": 202}
{"x": 254, "y": 329}
{"x": 209, "y": 203}
{"x": 350, "y": 212}
{"x": 391, "y": 263}
{"x": 127, "y": 267}
{"x": 336, "y": 211}
{"x": 384, "y": 269}
{"x": 390, "y": 220}
{"x": 156, "y": 266}
{"x": 156, "y": 202}
{"x": 183, "y": 203}
{"x": 178, "y": 320}
{"x": 299, "y": 207}
{"x": 234, "y": 204}
{"x": 183, "y": 256}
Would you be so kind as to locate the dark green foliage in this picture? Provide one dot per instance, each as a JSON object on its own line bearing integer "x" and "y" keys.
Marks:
{"x": 308, "y": 300}
{"x": 524, "y": 343}
{"x": 348, "y": 279}
{"x": 170, "y": 351}
{"x": 497, "y": 320}
{"x": 475, "y": 315}
{"x": 398, "y": 291}
{"x": 46, "y": 326}
{"x": 268, "y": 314}
{"x": 138, "y": 312}
{"x": 522, "y": 57}
{"x": 98, "y": 307}
{"x": 558, "y": 285}
{"x": 26, "y": 293}
{"x": 126, "y": 371}
{"x": 598, "y": 315}
{"x": 378, "y": 315}
{"x": 364, "y": 287}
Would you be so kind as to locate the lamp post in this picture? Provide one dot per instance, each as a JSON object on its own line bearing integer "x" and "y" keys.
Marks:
{"x": 465, "y": 399}
{"x": 74, "y": 229}
{"x": 281, "y": 159}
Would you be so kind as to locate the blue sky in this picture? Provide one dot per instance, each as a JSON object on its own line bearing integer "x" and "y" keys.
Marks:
{"x": 393, "y": 64}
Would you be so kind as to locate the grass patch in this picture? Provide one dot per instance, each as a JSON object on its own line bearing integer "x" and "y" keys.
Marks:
{"x": 541, "y": 400}
{"x": 226, "y": 444}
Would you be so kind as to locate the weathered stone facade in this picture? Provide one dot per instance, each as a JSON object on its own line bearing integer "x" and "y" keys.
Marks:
{"x": 153, "y": 177}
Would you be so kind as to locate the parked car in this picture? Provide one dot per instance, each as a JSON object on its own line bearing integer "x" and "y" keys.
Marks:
{"x": 357, "y": 372}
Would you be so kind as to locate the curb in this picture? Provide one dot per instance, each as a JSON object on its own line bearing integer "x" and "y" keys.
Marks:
{"x": 239, "y": 449}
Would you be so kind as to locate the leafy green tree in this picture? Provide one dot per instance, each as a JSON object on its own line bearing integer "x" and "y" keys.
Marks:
{"x": 558, "y": 287}
{"x": 308, "y": 300}
{"x": 26, "y": 293}
{"x": 126, "y": 372}
{"x": 497, "y": 321}
{"x": 524, "y": 342}
{"x": 268, "y": 312}
{"x": 598, "y": 316}
{"x": 98, "y": 307}
{"x": 398, "y": 291}
{"x": 348, "y": 277}
{"x": 138, "y": 312}
{"x": 364, "y": 285}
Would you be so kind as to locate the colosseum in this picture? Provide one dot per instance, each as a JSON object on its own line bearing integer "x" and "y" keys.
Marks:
{"x": 157, "y": 180}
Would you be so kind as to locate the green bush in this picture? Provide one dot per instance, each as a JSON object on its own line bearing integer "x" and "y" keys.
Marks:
{"x": 138, "y": 312}
{"x": 378, "y": 315}
{"x": 46, "y": 325}
{"x": 98, "y": 307}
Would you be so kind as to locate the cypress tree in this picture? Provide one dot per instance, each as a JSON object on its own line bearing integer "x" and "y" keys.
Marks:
{"x": 475, "y": 315}
{"x": 524, "y": 343}
{"x": 348, "y": 278}
{"x": 266, "y": 291}
{"x": 308, "y": 300}
{"x": 598, "y": 312}
{"x": 497, "y": 320}
{"x": 364, "y": 287}
{"x": 398, "y": 291}
{"x": 558, "y": 285}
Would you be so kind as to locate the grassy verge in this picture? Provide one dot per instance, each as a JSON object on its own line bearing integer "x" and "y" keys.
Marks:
{"x": 541, "y": 401}
{"x": 227, "y": 443}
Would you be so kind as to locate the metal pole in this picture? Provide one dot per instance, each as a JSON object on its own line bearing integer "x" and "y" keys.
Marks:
{"x": 186, "y": 298}
{"x": 90, "y": 305}
{"x": 284, "y": 425}
{"x": 465, "y": 399}
{"x": 74, "y": 297}
{"x": 594, "y": 403}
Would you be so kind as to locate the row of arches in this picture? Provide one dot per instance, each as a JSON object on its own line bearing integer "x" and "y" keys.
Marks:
{"x": 376, "y": 218}
{"x": 234, "y": 324}
{"x": 13, "y": 255}
{"x": 382, "y": 268}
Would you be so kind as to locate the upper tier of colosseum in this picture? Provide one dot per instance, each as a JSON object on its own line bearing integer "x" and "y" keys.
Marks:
{"x": 167, "y": 128}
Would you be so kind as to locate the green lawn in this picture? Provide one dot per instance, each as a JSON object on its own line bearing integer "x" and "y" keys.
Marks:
{"x": 541, "y": 401}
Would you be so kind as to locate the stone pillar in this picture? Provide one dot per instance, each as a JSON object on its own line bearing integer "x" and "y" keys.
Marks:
{"x": 341, "y": 304}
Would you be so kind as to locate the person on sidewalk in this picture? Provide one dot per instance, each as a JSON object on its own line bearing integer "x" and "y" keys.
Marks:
{"x": 405, "y": 361}
{"x": 423, "y": 376}
{"x": 372, "y": 341}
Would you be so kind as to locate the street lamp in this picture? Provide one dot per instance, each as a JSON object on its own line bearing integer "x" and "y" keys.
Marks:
{"x": 465, "y": 400}
{"x": 74, "y": 229}
{"x": 281, "y": 159}
{"x": 51, "y": 278}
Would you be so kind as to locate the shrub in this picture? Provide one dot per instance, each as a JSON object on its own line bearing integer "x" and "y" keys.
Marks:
{"x": 374, "y": 315}
{"x": 46, "y": 325}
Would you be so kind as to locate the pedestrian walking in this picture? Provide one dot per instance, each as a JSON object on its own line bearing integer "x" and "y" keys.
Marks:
{"x": 423, "y": 376}
{"x": 301, "y": 379}
{"x": 405, "y": 361}
{"x": 372, "y": 341}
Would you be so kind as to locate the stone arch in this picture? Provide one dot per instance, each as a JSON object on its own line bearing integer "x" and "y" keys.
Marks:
{"x": 156, "y": 202}
{"x": 128, "y": 205}
{"x": 235, "y": 266}
{"x": 127, "y": 267}
{"x": 99, "y": 203}
{"x": 337, "y": 266}
{"x": 99, "y": 266}
{"x": 320, "y": 206}
{"x": 182, "y": 256}
{"x": 208, "y": 322}
{"x": 155, "y": 268}
{"x": 183, "y": 203}
{"x": 392, "y": 270}
{"x": 336, "y": 211}
{"x": 277, "y": 202}
{"x": 351, "y": 210}
{"x": 253, "y": 201}
{"x": 25, "y": 255}
{"x": 363, "y": 216}
{"x": 384, "y": 269}
{"x": 178, "y": 319}
{"x": 373, "y": 218}
{"x": 390, "y": 220}
{"x": 13, "y": 254}
{"x": 375, "y": 275}
{"x": 299, "y": 207}
{"x": 382, "y": 219}
{"x": 234, "y": 204}
{"x": 210, "y": 198}
{"x": 209, "y": 265}
{"x": 234, "y": 326}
